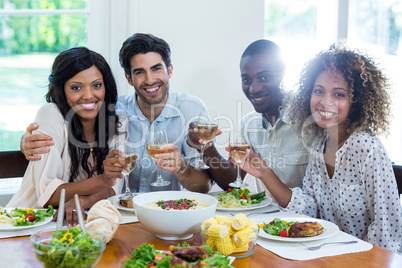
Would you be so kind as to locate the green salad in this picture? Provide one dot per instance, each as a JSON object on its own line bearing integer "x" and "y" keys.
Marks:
{"x": 23, "y": 216}
{"x": 278, "y": 227}
{"x": 235, "y": 198}
{"x": 147, "y": 256}
{"x": 69, "y": 248}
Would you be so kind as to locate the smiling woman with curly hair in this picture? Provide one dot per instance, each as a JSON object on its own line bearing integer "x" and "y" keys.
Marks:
{"x": 341, "y": 104}
{"x": 369, "y": 97}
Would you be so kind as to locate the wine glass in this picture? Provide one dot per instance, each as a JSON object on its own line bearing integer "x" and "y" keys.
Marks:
{"x": 158, "y": 138}
{"x": 130, "y": 157}
{"x": 237, "y": 150}
{"x": 206, "y": 130}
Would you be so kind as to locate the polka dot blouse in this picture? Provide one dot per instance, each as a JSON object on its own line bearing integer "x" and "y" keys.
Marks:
{"x": 361, "y": 197}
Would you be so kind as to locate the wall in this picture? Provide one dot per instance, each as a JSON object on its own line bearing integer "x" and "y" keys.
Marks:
{"x": 207, "y": 39}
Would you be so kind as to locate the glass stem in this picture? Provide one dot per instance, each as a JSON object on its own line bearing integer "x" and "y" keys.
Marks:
{"x": 202, "y": 153}
{"x": 159, "y": 178}
{"x": 127, "y": 186}
{"x": 238, "y": 173}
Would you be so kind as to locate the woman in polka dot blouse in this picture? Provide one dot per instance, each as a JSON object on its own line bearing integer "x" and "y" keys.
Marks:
{"x": 341, "y": 104}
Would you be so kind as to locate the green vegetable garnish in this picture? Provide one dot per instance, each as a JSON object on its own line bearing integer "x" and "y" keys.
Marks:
{"x": 276, "y": 226}
{"x": 233, "y": 197}
{"x": 76, "y": 249}
{"x": 144, "y": 256}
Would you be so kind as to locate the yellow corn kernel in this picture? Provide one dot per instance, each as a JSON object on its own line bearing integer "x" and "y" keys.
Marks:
{"x": 218, "y": 231}
{"x": 223, "y": 220}
{"x": 239, "y": 221}
{"x": 241, "y": 248}
{"x": 243, "y": 237}
{"x": 253, "y": 225}
{"x": 205, "y": 225}
{"x": 211, "y": 243}
{"x": 232, "y": 231}
{"x": 224, "y": 246}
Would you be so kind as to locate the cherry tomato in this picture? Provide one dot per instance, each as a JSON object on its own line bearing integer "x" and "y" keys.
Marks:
{"x": 271, "y": 223}
{"x": 30, "y": 217}
{"x": 229, "y": 190}
{"x": 284, "y": 233}
{"x": 243, "y": 197}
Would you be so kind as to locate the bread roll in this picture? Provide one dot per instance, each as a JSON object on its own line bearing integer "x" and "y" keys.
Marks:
{"x": 104, "y": 217}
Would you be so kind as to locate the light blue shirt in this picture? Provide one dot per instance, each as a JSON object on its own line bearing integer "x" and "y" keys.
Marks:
{"x": 179, "y": 110}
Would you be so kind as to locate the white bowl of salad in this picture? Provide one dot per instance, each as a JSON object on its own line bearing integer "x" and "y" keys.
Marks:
{"x": 68, "y": 247}
{"x": 173, "y": 215}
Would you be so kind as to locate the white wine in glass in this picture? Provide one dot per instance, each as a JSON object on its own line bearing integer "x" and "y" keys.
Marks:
{"x": 237, "y": 151}
{"x": 206, "y": 130}
{"x": 156, "y": 139}
{"x": 131, "y": 160}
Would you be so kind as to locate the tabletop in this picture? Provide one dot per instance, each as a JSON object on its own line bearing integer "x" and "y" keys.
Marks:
{"x": 17, "y": 252}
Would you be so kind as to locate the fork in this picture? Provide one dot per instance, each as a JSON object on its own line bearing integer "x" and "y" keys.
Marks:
{"x": 264, "y": 212}
{"x": 318, "y": 247}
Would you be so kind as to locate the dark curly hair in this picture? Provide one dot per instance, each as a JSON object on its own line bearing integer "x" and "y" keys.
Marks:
{"x": 369, "y": 96}
{"x": 66, "y": 65}
{"x": 141, "y": 43}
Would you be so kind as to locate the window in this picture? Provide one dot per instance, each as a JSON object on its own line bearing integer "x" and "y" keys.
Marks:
{"x": 376, "y": 26}
{"x": 32, "y": 34}
{"x": 293, "y": 26}
{"x": 302, "y": 28}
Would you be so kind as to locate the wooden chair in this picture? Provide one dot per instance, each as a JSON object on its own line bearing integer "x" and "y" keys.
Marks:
{"x": 12, "y": 164}
{"x": 398, "y": 176}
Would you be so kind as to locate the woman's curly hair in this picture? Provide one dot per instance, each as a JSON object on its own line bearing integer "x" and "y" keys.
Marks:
{"x": 371, "y": 105}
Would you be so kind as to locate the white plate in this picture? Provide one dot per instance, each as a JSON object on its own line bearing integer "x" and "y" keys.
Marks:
{"x": 265, "y": 202}
{"x": 115, "y": 202}
{"x": 11, "y": 227}
{"x": 330, "y": 229}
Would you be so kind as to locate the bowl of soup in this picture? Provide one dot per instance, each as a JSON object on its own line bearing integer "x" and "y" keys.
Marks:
{"x": 173, "y": 215}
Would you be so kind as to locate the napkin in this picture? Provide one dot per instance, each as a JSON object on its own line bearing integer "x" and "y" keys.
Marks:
{"x": 296, "y": 251}
{"x": 128, "y": 216}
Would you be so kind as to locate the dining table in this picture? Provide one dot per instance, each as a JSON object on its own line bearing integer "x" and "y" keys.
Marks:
{"x": 16, "y": 251}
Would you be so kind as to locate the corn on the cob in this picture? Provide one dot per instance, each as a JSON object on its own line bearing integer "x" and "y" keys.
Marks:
{"x": 218, "y": 231}
{"x": 240, "y": 221}
{"x": 252, "y": 224}
{"x": 223, "y": 220}
{"x": 243, "y": 237}
{"x": 241, "y": 248}
{"x": 224, "y": 246}
{"x": 205, "y": 225}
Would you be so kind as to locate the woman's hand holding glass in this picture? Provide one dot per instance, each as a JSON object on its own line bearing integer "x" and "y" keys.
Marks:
{"x": 254, "y": 164}
{"x": 113, "y": 166}
{"x": 119, "y": 163}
